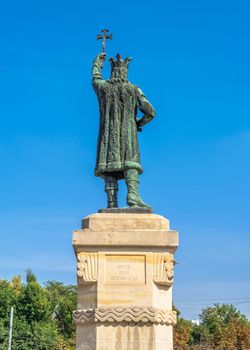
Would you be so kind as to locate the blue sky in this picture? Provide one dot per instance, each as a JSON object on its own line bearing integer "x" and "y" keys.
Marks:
{"x": 191, "y": 58}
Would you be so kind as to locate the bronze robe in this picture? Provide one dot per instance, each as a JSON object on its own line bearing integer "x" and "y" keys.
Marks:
{"x": 119, "y": 100}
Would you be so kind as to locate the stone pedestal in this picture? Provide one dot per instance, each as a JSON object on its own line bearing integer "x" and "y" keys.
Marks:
{"x": 125, "y": 278}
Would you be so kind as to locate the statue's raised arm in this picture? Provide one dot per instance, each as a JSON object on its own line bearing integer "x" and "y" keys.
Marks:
{"x": 97, "y": 66}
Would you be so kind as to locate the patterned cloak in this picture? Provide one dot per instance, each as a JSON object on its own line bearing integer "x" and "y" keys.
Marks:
{"x": 119, "y": 100}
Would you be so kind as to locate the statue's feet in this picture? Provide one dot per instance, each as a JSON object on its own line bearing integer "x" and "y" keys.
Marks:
{"x": 136, "y": 201}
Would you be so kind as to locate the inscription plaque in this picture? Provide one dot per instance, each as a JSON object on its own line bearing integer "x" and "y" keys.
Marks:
{"x": 125, "y": 269}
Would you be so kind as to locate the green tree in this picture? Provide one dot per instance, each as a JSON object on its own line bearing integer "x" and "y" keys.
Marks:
{"x": 200, "y": 338}
{"x": 33, "y": 302}
{"x": 7, "y": 300}
{"x": 222, "y": 327}
{"x": 63, "y": 302}
{"x": 42, "y": 314}
{"x": 16, "y": 284}
{"x": 225, "y": 327}
{"x": 35, "y": 336}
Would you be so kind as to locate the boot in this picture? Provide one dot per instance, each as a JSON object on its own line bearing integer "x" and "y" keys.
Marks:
{"x": 111, "y": 188}
{"x": 133, "y": 196}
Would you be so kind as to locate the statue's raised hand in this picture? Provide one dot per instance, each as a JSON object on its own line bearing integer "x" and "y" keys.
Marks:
{"x": 102, "y": 56}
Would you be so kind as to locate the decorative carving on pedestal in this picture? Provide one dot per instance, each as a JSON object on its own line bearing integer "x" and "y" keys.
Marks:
{"x": 87, "y": 266}
{"x": 164, "y": 269}
{"x": 128, "y": 315}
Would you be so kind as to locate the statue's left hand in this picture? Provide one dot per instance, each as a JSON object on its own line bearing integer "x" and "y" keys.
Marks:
{"x": 138, "y": 125}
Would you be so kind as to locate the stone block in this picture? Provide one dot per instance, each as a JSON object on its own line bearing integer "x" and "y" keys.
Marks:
{"x": 125, "y": 275}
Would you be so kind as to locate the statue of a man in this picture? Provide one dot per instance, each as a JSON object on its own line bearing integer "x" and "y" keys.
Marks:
{"x": 118, "y": 155}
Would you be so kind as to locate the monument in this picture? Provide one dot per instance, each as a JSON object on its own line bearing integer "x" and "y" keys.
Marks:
{"x": 125, "y": 256}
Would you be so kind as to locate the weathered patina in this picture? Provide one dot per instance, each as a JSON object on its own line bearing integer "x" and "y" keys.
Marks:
{"x": 118, "y": 153}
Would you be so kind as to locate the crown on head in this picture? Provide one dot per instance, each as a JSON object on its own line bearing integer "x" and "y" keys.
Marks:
{"x": 119, "y": 62}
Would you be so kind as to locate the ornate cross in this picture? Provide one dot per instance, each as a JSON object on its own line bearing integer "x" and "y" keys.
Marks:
{"x": 104, "y": 37}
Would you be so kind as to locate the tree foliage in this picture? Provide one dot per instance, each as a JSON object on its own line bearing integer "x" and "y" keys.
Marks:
{"x": 42, "y": 314}
{"x": 222, "y": 328}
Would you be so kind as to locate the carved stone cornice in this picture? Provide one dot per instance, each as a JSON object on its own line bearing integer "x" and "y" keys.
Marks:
{"x": 127, "y": 315}
{"x": 87, "y": 266}
{"x": 164, "y": 269}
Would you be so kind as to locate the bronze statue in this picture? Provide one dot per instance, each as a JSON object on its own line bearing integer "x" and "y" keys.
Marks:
{"x": 118, "y": 155}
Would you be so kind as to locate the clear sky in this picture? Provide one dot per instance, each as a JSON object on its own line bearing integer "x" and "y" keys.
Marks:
{"x": 191, "y": 58}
